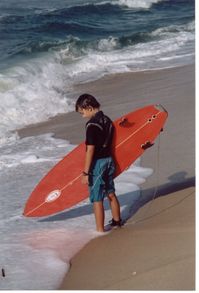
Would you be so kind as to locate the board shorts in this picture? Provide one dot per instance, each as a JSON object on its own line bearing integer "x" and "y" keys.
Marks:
{"x": 101, "y": 182}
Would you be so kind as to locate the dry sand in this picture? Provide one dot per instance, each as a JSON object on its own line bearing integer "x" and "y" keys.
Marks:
{"x": 157, "y": 253}
{"x": 154, "y": 254}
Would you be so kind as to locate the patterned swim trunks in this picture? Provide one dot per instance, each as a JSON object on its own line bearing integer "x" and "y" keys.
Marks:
{"x": 101, "y": 181}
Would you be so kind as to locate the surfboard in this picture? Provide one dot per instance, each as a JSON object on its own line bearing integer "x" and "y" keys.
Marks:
{"x": 61, "y": 188}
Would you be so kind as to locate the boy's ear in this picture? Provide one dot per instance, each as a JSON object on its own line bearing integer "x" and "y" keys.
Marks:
{"x": 90, "y": 108}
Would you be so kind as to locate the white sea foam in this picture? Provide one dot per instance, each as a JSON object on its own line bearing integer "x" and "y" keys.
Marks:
{"x": 32, "y": 92}
{"x": 35, "y": 252}
{"x": 40, "y": 88}
{"x": 142, "y": 4}
{"x": 107, "y": 44}
{"x": 31, "y": 150}
{"x": 40, "y": 258}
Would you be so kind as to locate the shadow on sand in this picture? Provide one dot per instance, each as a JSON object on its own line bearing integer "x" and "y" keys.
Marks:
{"x": 176, "y": 182}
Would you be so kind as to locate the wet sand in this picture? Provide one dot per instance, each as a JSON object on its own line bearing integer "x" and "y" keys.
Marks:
{"x": 154, "y": 254}
{"x": 157, "y": 253}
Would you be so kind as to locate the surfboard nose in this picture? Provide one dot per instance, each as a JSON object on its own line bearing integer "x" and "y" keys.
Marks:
{"x": 160, "y": 108}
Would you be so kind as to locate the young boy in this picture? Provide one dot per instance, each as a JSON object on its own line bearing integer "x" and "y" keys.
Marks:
{"x": 99, "y": 166}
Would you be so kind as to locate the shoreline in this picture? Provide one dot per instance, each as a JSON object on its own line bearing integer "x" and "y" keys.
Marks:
{"x": 155, "y": 253}
{"x": 174, "y": 173}
{"x": 169, "y": 87}
{"x": 103, "y": 89}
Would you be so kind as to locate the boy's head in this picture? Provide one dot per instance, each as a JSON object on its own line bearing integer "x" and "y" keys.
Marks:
{"x": 87, "y": 105}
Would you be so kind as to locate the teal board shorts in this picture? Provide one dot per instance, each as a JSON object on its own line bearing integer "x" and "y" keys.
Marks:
{"x": 101, "y": 182}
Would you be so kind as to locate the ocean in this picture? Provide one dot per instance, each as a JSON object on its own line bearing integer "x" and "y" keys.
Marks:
{"x": 46, "y": 48}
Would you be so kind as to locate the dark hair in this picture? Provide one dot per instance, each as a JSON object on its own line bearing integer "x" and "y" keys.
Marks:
{"x": 85, "y": 101}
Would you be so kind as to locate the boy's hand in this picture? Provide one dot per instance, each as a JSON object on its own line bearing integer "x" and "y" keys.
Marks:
{"x": 85, "y": 179}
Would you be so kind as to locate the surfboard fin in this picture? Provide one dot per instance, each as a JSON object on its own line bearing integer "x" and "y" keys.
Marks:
{"x": 123, "y": 121}
{"x": 146, "y": 145}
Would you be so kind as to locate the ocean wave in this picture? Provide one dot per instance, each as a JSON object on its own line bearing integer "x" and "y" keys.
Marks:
{"x": 4, "y": 16}
{"x": 174, "y": 29}
{"x": 98, "y": 7}
{"x": 39, "y": 88}
{"x": 32, "y": 92}
{"x": 136, "y": 4}
{"x": 10, "y": 18}
{"x": 38, "y": 46}
{"x": 80, "y": 28}
{"x": 90, "y": 5}
{"x": 74, "y": 47}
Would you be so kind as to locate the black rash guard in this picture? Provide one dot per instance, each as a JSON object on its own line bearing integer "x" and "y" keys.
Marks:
{"x": 99, "y": 132}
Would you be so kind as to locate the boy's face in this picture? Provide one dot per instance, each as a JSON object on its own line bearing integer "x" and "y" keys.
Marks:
{"x": 87, "y": 113}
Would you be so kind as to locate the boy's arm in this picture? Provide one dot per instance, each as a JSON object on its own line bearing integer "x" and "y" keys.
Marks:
{"x": 89, "y": 157}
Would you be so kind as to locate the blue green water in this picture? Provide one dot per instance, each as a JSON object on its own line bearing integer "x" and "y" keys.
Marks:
{"x": 47, "y": 46}
{"x": 31, "y": 27}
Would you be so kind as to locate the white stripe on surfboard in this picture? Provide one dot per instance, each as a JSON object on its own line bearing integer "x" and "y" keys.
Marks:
{"x": 136, "y": 131}
{"x": 72, "y": 181}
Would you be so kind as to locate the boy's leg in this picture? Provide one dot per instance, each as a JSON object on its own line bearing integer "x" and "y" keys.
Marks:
{"x": 99, "y": 215}
{"x": 115, "y": 206}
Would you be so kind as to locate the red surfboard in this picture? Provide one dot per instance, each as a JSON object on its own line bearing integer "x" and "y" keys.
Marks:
{"x": 61, "y": 188}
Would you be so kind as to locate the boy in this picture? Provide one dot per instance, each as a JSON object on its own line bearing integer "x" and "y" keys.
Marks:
{"x": 99, "y": 166}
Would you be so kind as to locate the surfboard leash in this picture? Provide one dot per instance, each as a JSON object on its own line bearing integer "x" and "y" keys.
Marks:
{"x": 157, "y": 167}
{"x": 70, "y": 183}
{"x": 145, "y": 217}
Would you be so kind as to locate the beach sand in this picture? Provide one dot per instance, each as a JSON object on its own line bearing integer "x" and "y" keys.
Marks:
{"x": 154, "y": 254}
{"x": 159, "y": 252}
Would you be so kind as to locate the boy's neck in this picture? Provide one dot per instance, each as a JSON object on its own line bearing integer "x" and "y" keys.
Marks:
{"x": 95, "y": 111}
